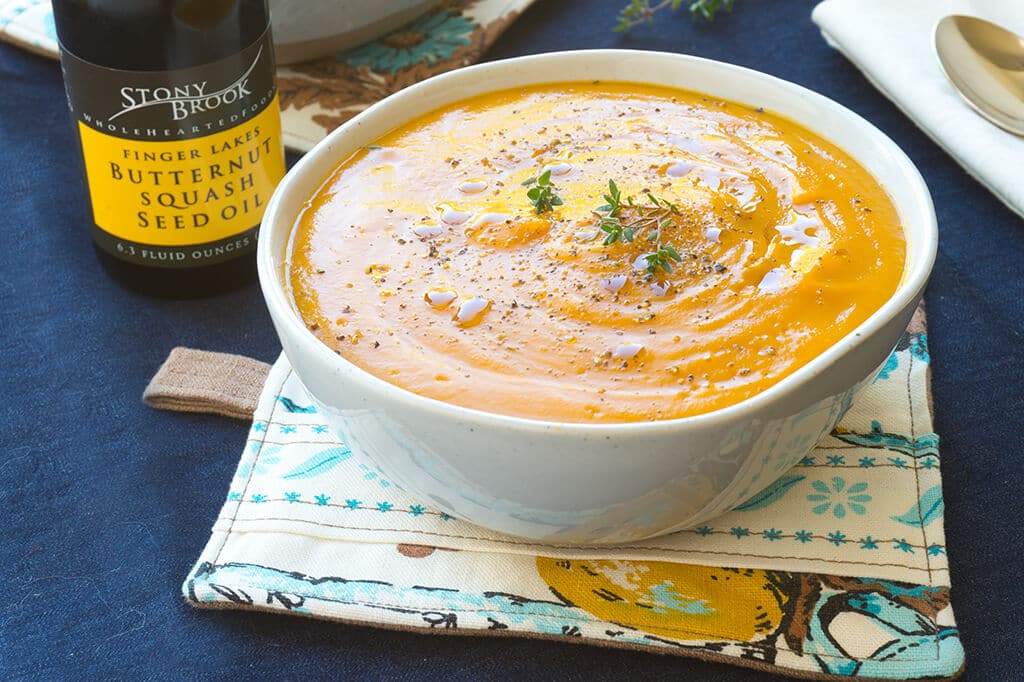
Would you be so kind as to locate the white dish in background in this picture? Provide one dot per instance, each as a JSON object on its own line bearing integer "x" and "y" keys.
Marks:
{"x": 596, "y": 483}
{"x": 306, "y": 30}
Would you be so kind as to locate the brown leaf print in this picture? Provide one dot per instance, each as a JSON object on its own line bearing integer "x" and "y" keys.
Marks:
{"x": 928, "y": 606}
{"x": 804, "y": 590}
{"x": 347, "y": 86}
{"x": 415, "y": 551}
{"x": 299, "y": 93}
{"x": 420, "y": 551}
{"x": 918, "y": 324}
{"x": 331, "y": 121}
{"x": 343, "y": 90}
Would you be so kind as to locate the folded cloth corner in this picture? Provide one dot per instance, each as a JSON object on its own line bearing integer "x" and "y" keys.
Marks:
{"x": 200, "y": 381}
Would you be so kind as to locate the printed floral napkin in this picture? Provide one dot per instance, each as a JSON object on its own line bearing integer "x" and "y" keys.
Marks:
{"x": 839, "y": 569}
{"x": 320, "y": 95}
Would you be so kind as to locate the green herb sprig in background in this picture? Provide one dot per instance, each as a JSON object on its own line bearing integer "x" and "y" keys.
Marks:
{"x": 542, "y": 193}
{"x": 642, "y": 12}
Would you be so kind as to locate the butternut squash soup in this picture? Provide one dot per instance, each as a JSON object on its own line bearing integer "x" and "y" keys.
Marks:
{"x": 593, "y": 252}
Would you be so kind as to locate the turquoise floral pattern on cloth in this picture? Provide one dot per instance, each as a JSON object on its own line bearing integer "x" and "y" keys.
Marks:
{"x": 433, "y": 37}
{"x": 836, "y": 497}
{"x": 839, "y": 567}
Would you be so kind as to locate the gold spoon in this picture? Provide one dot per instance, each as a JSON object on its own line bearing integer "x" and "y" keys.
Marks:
{"x": 985, "y": 64}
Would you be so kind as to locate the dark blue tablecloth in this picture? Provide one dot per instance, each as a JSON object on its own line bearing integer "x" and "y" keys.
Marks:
{"x": 106, "y": 503}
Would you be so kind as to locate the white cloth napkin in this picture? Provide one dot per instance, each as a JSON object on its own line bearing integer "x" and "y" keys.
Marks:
{"x": 891, "y": 42}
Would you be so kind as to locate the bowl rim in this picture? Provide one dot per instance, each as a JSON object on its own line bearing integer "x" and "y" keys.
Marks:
{"x": 282, "y": 310}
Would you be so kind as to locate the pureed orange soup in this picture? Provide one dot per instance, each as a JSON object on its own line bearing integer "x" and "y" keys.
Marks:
{"x": 423, "y": 260}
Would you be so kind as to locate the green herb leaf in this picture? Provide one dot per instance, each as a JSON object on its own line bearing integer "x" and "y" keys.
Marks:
{"x": 542, "y": 193}
{"x": 639, "y": 12}
{"x": 662, "y": 259}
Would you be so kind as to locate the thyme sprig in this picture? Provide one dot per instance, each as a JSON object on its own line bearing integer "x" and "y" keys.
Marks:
{"x": 542, "y": 193}
{"x": 662, "y": 259}
{"x": 622, "y": 220}
{"x": 642, "y": 12}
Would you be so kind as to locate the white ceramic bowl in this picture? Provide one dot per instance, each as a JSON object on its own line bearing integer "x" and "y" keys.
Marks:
{"x": 596, "y": 483}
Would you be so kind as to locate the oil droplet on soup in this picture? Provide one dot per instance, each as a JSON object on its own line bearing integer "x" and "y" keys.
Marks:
{"x": 679, "y": 169}
{"x": 453, "y": 217}
{"x": 428, "y": 230}
{"x": 440, "y": 298}
{"x": 472, "y": 186}
{"x": 627, "y": 351}
{"x": 616, "y": 282}
{"x": 785, "y": 244}
{"x": 471, "y": 311}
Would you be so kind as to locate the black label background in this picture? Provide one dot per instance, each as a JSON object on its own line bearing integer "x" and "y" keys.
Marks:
{"x": 95, "y": 94}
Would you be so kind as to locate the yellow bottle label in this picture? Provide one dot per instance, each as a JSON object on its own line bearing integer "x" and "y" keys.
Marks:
{"x": 179, "y": 164}
{"x": 184, "y": 192}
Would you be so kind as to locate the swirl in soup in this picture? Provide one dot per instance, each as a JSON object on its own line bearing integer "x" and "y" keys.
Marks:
{"x": 470, "y": 255}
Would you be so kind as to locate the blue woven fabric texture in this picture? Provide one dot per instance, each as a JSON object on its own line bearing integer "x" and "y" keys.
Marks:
{"x": 103, "y": 514}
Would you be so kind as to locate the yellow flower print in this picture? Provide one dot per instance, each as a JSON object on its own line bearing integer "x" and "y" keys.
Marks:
{"x": 676, "y": 601}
